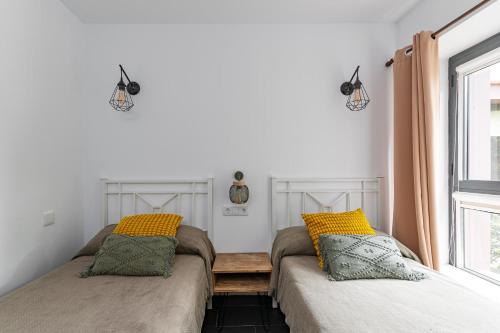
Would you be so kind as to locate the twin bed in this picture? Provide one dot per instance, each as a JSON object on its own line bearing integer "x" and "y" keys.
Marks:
{"x": 313, "y": 304}
{"x": 62, "y": 302}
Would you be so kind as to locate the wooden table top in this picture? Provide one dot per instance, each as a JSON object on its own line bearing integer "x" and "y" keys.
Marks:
{"x": 242, "y": 263}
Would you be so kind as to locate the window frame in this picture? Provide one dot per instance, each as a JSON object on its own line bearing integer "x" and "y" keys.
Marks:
{"x": 486, "y": 203}
{"x": 455, "y": 130}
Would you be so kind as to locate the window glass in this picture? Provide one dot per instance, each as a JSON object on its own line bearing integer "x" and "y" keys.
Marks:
{"x": 482, "y": 119}
{"x": 482, "y": 242}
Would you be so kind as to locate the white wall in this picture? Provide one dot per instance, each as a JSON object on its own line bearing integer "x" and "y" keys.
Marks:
{"x": 475, "y": 29}
{"x": 263, "y": 99}
{"x": 40, "y": 96}
{"x": 429, "y": 15}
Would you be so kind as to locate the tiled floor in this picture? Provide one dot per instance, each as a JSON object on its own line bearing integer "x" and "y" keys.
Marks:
{"x": 243, "y": 316}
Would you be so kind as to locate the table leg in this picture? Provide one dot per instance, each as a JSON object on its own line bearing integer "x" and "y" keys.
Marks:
{"x": 221, "y": 311}
{"x": 275, "y": 303}
{"x": 266, "y": 320}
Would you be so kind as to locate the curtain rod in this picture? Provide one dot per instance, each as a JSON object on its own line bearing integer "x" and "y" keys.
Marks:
{"x": 449, "y": 25}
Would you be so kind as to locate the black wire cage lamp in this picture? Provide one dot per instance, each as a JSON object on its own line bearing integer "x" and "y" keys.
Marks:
{"x": 121, "y": 100}
{"x": 357, "y": 97}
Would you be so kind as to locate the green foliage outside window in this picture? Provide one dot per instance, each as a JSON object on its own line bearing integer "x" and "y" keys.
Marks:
{"x": 495, "y": 244}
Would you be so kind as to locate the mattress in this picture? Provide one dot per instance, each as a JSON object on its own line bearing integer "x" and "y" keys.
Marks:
{"x": 312, "y": 303}
{"x": 62, "y": 302}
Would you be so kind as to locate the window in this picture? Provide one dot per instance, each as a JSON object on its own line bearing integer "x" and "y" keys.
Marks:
{"x": 481, "y": 90}
{"x": 481, "y": 257}
{"x": 474, "y": 120}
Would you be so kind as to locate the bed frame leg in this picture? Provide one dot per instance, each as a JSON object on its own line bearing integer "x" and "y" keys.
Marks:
{"x": 275, "y": 303}
{"x": 209, "y": 303}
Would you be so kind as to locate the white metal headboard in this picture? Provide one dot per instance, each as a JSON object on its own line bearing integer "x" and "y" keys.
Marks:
{"x": 292, "y": 196}
{"x": 191, "y": 198}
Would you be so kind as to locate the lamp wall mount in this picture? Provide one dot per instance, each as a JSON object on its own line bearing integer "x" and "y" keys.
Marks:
{"x": 347, "y": 88}
{"x": 133, "y": 87}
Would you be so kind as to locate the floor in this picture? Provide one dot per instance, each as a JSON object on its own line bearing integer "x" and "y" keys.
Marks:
{"x": 243, "y": 316}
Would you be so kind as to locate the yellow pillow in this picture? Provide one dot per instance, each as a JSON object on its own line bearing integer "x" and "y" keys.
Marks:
{"x": 149, "y": 225}
{"x": 348, "y": 223}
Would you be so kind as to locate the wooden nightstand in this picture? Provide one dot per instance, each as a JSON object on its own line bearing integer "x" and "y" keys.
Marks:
{"x": 241, "y": 273}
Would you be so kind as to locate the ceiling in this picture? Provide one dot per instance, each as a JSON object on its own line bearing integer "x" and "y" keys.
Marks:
{"x": 238, "y": 11}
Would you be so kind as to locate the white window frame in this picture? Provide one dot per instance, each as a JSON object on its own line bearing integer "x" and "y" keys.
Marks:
{"x": 462, "y": 72}
{"x": 488, "y": 203}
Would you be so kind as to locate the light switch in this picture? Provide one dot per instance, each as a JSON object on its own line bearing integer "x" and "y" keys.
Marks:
{"x": 235, "y": 210}
{"x": 49, "y": 217}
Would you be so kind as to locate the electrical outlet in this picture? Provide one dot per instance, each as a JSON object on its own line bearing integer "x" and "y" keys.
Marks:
{"x": 49, "y": 217}
{"x": 235, "y": 210}
{"x": 241, "y": 210}
{"x": 227, "y": 211}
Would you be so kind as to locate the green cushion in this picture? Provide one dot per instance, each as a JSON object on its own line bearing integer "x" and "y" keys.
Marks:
{"x": 351, "y": 257}
{"x": 138, "y": 256}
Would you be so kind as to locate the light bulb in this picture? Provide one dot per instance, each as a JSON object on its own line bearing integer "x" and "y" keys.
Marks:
{"x": 357, "y": 96}
{"x": 120, "y": 98}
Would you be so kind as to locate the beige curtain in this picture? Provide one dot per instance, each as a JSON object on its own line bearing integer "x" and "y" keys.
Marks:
{"x": 416, "y": 104}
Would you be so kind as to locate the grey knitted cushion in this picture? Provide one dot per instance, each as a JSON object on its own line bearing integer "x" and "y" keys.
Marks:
{"x": 351, "y": 257}
{"x": 139, "y": 256}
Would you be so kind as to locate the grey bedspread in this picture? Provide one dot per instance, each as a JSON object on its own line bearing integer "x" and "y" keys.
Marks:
{"x": 62, "y": 302}
{"x": 314, "y": 304}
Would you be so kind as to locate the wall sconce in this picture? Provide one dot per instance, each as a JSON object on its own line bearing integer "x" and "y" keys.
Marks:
{"x": 121, "y": 99}
{"x": 357, "y": 99}
{"x": 238, "y": 193}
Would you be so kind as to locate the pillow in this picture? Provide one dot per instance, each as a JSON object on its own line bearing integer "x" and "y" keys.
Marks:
{"x": 295, "y": 241}
{"x": 352, "y": 257}
{"x": 191, "y": 240}
{"x": 137, "y": 256}
{"x": 149, "y": 225}
{"x": 93, "y": 245}
{"x": 353, "y": 222}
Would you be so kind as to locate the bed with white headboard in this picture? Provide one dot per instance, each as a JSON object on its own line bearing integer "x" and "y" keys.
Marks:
{"x": 192, "y": 198}
{"x": 313, "y": 303}
{"x": 292, "y": 196}
{"x": 187, "y": 288}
